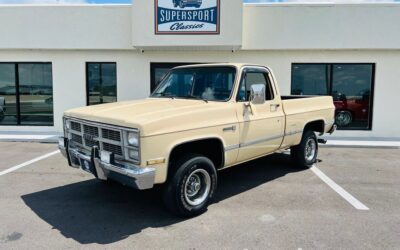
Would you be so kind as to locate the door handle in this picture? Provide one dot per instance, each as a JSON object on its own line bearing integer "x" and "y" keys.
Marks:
{"x": 274, "y": 107}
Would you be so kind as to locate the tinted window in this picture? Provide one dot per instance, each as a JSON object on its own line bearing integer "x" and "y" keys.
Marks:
{"x": 8, "y": 99}
{"x": 101, "y": 83}
{"x": 310, "y": 79}
{"x": 350, "y": 85}
{"x": 35, "y": 93}
{"x": 26, "y": 94}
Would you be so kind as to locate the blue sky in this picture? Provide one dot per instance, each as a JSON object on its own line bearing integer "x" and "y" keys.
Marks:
{"x": 129, "y": 1}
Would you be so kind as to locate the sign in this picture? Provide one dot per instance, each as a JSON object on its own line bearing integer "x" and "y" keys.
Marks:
{"x": 187, "y": 17}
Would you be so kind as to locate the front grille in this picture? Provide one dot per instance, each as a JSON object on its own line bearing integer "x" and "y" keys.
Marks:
{"x": 76, "y": 138}
{"x": 76, "y": 126}
{"x": 112, "y": 148}
{"x": 112, "y": 135}
{"x": 90, "y": 143}
{"x": 90, "y": 130}
{"x": 86, "y": 135}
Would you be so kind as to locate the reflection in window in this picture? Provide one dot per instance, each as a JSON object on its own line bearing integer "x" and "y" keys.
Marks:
{"x": 35, "y": 94}
{"x": 28, "y": 99}
{"x": 101, "y": 83}
{"x": 8, "y": 100}
{"x": 349, "y": 84}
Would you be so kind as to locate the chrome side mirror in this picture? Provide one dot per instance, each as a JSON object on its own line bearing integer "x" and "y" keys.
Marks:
{"x": 257, "y": 94}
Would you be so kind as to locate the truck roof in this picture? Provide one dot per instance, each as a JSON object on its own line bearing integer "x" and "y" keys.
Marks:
{"x": 237, "y": 65}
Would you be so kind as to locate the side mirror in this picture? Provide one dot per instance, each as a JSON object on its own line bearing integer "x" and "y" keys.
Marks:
{"x": 257, "y": 94}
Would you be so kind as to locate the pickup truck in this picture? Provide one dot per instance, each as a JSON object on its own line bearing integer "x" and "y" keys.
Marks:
{"x": 199, "y": 120}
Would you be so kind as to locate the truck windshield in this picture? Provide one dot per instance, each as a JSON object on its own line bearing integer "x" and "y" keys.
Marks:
{"x": 206, "y": 83}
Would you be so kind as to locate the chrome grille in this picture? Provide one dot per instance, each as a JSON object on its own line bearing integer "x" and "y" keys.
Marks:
{"x": 76, "y": 138}
{"x": 112, "y": 148}
{"x": 91, "y": 130}
{"x": 86, "y": 135}
{"x": 112, "y": 135}
{"x": 76, "y": 126}
{"x": 90, "y": 143}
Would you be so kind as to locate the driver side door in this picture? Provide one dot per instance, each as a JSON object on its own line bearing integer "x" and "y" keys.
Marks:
{"x": 260, "y": 125}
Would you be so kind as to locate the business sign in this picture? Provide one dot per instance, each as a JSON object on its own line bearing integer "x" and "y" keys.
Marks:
{"x": 187, "y": 16}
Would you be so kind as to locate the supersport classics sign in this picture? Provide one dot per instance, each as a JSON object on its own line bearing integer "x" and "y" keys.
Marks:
{"x": 187, "y": 16}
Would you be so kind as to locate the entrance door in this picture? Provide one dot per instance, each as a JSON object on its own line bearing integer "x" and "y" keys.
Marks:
{"x": 261, "y": 125}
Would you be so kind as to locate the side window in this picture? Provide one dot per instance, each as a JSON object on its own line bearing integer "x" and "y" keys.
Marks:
{"x": 251, "y": 78}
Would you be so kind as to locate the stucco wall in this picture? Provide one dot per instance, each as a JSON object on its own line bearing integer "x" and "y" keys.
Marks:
{"x": 133, "y": 69}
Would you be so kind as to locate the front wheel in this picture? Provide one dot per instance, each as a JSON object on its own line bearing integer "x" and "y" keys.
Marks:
{"x": 305, "y": 154}
{"x": 190, "y": 189}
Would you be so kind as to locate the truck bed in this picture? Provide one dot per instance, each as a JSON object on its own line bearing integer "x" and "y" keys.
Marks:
{"x": 300, "y": 110}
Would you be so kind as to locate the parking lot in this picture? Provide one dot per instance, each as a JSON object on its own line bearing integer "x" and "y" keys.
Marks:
{"x": 264, "y": 204}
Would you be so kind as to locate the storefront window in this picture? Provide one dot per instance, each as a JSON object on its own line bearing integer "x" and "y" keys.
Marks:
{"x": 26, "y": 94}
{"x": 35, "y": 94}
{"x": 101, "y": 83}
{"x": 8, "y": 98}
{"x": 350, "y": 85}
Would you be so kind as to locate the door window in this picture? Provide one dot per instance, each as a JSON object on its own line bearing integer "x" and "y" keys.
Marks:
{"x": 251, "y": 78}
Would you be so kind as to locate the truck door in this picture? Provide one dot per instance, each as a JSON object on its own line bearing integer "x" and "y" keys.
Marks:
{"x": 261, "y": 126}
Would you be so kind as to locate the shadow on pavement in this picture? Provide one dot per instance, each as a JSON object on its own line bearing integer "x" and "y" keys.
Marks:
{"x": 95, "y": 212}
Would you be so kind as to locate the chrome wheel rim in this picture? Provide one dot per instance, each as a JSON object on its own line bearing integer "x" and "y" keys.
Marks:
{"x": 343, "y": 118}
{"x": 197, "y": 187}
{"x": 310, "y": 149}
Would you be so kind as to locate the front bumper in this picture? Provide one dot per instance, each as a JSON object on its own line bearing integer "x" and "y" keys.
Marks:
{"x": 125, "y": 173}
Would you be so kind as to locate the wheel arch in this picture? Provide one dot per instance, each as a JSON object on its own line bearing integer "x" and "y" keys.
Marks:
{"x": 315, "y": 125}
{"x": 211, "y": 147}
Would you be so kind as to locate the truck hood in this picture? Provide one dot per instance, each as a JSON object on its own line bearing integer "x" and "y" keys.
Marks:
{"x": 154, "y": 116}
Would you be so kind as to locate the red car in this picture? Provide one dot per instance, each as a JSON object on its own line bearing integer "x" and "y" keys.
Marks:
{"x": 350, "y": 109}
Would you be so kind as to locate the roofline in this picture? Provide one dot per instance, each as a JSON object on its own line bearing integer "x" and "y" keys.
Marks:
{"x": 67, "y": 5}
{"x": 287, "y": 4}
{"x": 322, "y": 4}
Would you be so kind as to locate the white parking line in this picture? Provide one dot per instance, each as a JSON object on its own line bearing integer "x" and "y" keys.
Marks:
{"x": 28, "y": 162}
{"x": 338, "y": 189}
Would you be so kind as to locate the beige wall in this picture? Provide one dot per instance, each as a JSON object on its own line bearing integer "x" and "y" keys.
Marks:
{"x": 133, "y": 76}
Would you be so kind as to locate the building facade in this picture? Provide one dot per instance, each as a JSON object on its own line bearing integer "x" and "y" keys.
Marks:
{"x": 57, "y": 57}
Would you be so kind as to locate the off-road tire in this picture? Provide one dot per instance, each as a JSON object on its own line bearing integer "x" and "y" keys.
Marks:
{"x": 301, "y": 157}
{"x": 175, "y": 191}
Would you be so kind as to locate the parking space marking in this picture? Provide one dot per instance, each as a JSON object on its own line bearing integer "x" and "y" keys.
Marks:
{"x": 338, "y": 189}
{"x": 29, "y": 162}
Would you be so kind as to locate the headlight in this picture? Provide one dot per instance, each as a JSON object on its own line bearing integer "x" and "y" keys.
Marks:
{"x": 133, "y": 139}
{"x": 133, "y": 154}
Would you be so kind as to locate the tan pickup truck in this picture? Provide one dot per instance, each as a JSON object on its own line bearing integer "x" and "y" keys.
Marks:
{"x": 200, "y": 119}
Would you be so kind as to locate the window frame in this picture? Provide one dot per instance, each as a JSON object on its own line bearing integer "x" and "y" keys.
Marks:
{"x": 17, "y": 94}
{"x": 267, "y": 76}
{"x": 329, "y": 78}
{"x": 101, "y": 80}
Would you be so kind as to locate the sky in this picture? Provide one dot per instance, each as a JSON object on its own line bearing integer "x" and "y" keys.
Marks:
{"x": 129, "y": 1}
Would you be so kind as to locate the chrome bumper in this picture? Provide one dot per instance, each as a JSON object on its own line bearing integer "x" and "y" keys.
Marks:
{"x": 125, "y": 173}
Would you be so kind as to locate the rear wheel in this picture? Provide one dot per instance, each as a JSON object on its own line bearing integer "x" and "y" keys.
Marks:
{"x": 181, "y": 4}
{"x": 305, "y": 154}
{"x": 190, "y": 189}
